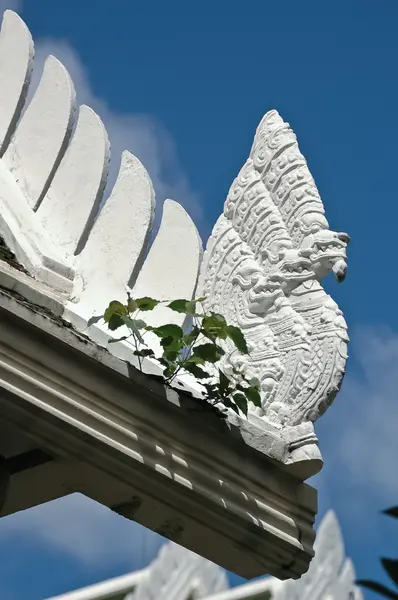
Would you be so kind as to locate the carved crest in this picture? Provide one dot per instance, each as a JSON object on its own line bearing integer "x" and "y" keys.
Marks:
{"x": 262, "y": 270}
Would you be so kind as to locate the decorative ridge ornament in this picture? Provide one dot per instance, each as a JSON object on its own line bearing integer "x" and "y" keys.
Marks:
{"x": 54, "y": 159}
{"x": 262, "y": 270}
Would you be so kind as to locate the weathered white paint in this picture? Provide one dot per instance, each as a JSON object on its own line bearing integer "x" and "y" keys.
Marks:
{"x": 118, "y": 239}
{"x": 73, "y": 198}
{"x": 15, "y": 42}
{"x": 23, "y": 233}
{"x": 42, "y": 134}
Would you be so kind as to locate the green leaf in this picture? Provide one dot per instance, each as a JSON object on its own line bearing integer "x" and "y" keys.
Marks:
{"x": 209, "y": 352}
{"x": 179, "y": 306}
{"x": 169, "y": 372}
{"x": 197, "y": 359}
{"x": 191, "y": 336}
{"x": 144, "y": 352}
{"x": 224, "y": 382}
{"x": 169, "y": 330}
{"x": 211, "y": 390}
{"x": 377, "y": 587}
{"x": 234, "y": 407}
{"x": 392, "y": 512}
{"x": 94, "y": 320}
{"x": 146, "y": 303}
{"x": 134, "y": 324}
{"x": 115, "y": 308}
{"x": 391, "y": 566}
{"x": 114, "y": 313}
{"x": 236, "y": 335}
{"x": 195, "y": 370}
{"x": 214, "y": 326}
{"x": 171, "y": 355}
{"x": 252, "y": 393}
{"x": 240, "y": 401}
{"x": 131, "y": 305}
{"x": 115, "y": 321}
{"x": 114, "y": 340}
{"x": 187, "y": 307}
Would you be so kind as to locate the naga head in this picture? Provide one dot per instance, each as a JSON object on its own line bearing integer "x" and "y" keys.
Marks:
{"x": 327, "y": 250}
{"x": 289, "y": 267}
{"x": 260, "y": 292}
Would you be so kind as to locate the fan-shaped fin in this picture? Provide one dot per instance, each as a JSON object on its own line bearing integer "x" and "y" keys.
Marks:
{"x": 284, "y": 171}
{"x": 171, "y": 268}
{"x": 256, "y": 219}
{"x": 76, "y": 190}
{"x": 43, "y": 132}
{"x": 16, "y": 54}
{"x": 118, "y": 239}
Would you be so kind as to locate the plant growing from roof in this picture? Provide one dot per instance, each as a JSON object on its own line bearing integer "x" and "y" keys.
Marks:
{"x": 197, "y": 351}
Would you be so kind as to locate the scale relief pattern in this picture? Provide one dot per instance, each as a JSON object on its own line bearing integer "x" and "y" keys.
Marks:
{"x": 262, "y": 269}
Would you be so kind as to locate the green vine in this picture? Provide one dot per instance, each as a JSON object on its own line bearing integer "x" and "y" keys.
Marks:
{"x": 196, "y": 351}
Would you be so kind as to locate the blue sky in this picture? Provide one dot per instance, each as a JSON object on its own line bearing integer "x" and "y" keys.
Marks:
{"x": 183, "y": 85}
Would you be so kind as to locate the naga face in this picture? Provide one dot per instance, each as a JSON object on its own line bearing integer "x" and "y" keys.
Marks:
{"x": 261, "y": 292}
{"x": 327, "y": 251}
{"x": 292, "y": 269}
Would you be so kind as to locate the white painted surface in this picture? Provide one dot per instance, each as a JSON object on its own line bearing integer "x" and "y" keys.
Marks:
{"x": 15, "y": 42}
{"x": 73, "y": 198}
{"x": 171, "y": 268}
{"x": 107, "y": 589}
{"x": 117, "y": 242}
{"x": 42, "y": 134}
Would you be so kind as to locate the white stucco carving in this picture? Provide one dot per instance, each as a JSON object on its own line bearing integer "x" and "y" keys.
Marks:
{"x": 176, "y": 574}
{"x": 52, "y": 177}
{"x": 263, "y": 268}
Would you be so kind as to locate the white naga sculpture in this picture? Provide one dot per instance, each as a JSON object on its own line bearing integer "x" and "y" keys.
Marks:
{"x": 263, "y": 269}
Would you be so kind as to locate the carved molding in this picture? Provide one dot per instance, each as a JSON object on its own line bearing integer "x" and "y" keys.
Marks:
{"x": 247, "y": 511}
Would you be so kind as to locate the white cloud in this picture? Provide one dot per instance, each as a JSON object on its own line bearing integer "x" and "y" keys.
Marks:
{"x": 142, "y": 134}
{"x": 358, "y": 435}
{"x": 85, "y": 530}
